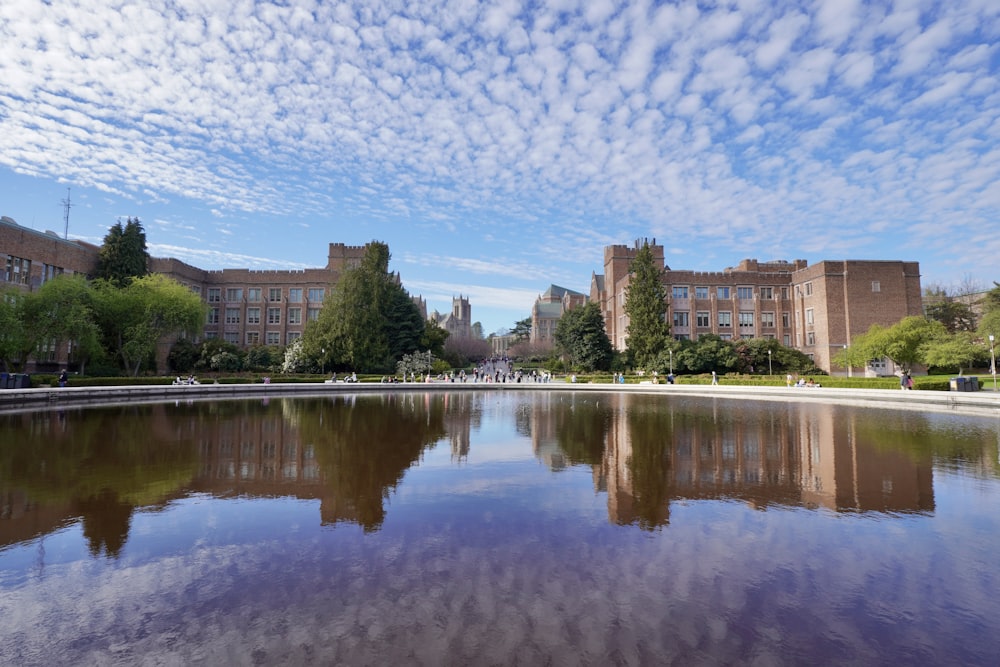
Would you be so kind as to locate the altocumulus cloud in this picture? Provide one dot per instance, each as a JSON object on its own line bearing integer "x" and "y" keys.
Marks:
{"x": 818, "y": 125}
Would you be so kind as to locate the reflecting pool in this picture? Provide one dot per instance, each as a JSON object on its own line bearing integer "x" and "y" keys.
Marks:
{"x": 506, "y": 528}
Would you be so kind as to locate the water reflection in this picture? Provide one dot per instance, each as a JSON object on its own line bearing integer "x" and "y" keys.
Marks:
{"x": 498, "y": 528}
{"x": 350, "y": 453}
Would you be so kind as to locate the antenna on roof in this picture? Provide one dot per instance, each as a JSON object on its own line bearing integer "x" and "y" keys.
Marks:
{"x": 66, "y": 206}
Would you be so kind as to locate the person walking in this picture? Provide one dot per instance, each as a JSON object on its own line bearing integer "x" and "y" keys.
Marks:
{"x": 715, "y": 378}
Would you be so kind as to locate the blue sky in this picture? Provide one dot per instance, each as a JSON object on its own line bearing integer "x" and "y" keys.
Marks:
{"x": 497, "y": 147}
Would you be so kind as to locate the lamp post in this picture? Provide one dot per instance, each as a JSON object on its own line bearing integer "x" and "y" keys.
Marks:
{"x": 769, "y": 362}
{"x": 322, "y": 361}
{"x": 671, "y": 351}
{"x": 993, "y": 363}
{"x": 849, "y": 368}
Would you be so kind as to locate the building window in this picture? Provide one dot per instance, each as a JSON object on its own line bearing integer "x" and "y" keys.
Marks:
{"x": 808, "y": 287}
{"x": 744, "y": 293}
{"x": 49, "y": 272}
{"x": 809, "y": 316}
{"x": 810, "y": 338}
{"x": 726, "y": 336}
{"x": 18, "y": 270}
{"x": 786, "y": 319}
{"x": 312, "y": 314}
{"x": 746, "y": 319}
{"x": 211, "y": 335}
{"x": 682, "y": 318}
{"x": 253, "y": 294}
{"x": 701, "y": 292}
{"x": 680, "y": 291}
{"x": 784, "y": 293}
{"x": 293, "y": 336}
{"x": 253, "y": 338}
{"x": 680, "y": 336}
{"x": 295, "y": 295}
{"x": 231, "y": 337}
{"x": 253, "y": 315}
{"x": 767, "y": 292}
{"x": 232, "y": 316}
{"x": 786, "y": 340}
{"x": 876, "y": 286}
{"x": 272, "y": 338}
{"x": 274, "y": 315}
{"x": 213, "y": 315}
{"x": 316, "y": 294}
{"x": 234, "y": 294}
{"x": 722, "y": 292}
{"x": 274, "y": 294}
{"x": 704, "y": 319}
{"x": 295, "y": 316}
{"x": 767, "y": 320}
{"x": 725, "y": 318}
{"x": 214, "y": 295}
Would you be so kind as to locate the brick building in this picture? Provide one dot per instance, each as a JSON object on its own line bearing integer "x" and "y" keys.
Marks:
{"x": 250, "y": 308}
{"x": 245, "y": 307}
{"x": 816, "y": 309}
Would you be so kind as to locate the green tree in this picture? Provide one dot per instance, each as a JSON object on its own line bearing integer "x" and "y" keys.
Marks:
{"x": 991, "y": 300}
{"x": 949, "y": 311}
{"x": 123, "y": 255}
{"x": 434, "y": 339}
{"x": 57, "y": 313}
{"x": 580, "y": 336}
{"x": 521, "y": 330}
{"x": 958, "y": 350}
{"x": 16, "y": 338}
{"x": 66, "y": 309}
{"x": 137, "y": 317}
{"x": 370, "y": 321}
{"x": 901, "y": 343}
{"x": 646, "y": 306}
{"x": 709, "y": 353}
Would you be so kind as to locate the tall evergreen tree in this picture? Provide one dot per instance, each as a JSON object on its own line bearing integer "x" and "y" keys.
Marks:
{"x": 123, "y": 255}
{"x": 370, "y": 321}
{"x": 646, "y": 307}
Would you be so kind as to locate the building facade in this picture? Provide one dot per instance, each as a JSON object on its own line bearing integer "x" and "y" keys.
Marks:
{"x": 547, "y": 310}
{"x": 245, "y": 307}
{"x": 458, "y": 322}
{"x": 249, "y": 308}
{"x": 816, "y": 309}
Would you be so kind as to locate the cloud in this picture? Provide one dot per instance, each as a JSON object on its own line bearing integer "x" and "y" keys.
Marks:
{"x": 601, "y": 119}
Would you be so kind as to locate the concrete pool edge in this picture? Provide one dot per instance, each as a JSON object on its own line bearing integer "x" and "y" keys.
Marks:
{"x": 19, "y": 400}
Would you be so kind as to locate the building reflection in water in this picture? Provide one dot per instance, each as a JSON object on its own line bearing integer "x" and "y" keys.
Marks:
{"x": 350, "y": 452}
{"x": 647, "y": 452}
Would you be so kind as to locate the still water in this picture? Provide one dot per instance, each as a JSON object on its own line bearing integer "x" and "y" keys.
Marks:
{"x": 481, "y": 528}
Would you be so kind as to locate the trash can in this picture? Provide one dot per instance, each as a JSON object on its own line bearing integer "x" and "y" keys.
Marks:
{"x": 973, "y": 383}
{"x": 21, "y": 381}
{"x": 3, "y": 380}
{"x": 958, "y": 384}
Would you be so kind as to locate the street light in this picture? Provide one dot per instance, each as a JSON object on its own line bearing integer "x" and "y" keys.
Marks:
{"x": 671, "y": 351}
{"x": 769, "y": 362}
{"x": 322, "y": 361}
{"x": 993, "y": 363}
